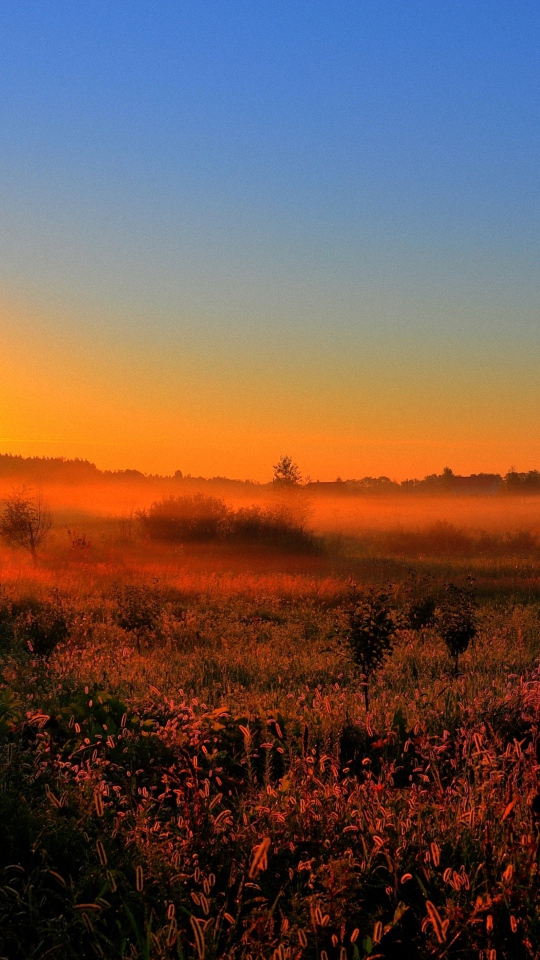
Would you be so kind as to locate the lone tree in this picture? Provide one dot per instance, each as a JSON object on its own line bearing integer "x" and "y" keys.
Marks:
{"x": 25, "y": 522}
{"x": 287, "y": 473}
{"x": 370, "y": 632}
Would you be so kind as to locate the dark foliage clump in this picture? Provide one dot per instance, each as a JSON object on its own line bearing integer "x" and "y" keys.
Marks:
{"x": 184, "y": 519}
{"x": 80, "y": 545}
{"x": 418, "y": 603}
{"x": 457, "y": 619}
{"x": 272, "y": 528}
{"x": 370, "y": 632}
{"x": 139, "y": 610}
{"x": 41, "y": 626}
{"x": 421, "y": 613}
{"x": 207, "y": 519}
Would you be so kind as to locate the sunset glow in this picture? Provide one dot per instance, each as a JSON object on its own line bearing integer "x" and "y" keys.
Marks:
{"x": 234, "y": 232}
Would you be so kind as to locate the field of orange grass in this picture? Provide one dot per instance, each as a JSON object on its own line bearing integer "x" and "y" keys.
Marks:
{"x": 204, "y": 569}
{"x": 188, "y": 769}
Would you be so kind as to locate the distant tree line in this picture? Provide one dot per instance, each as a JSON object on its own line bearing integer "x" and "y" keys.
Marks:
{"x": 42, "y": 470}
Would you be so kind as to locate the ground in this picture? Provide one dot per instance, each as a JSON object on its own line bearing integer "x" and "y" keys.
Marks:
{"x": 203, "y": 780}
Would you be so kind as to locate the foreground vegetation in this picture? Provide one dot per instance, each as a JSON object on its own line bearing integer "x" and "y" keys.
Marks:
{"x": 188, "y": 768}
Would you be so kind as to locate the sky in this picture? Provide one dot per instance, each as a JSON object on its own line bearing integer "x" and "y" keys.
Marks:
{"x": 233, "y": 231}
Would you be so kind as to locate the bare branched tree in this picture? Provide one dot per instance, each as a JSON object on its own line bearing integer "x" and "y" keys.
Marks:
{"x": 25, "y": 522}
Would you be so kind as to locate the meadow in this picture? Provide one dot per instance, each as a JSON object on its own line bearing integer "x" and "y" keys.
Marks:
{"x": 188, "y": 769}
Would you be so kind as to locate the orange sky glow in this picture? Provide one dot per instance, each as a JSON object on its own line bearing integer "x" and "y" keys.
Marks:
{"x": 399, "y": 407}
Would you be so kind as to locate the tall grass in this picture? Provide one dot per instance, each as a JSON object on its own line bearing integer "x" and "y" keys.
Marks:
{"x": 211, "y": 785}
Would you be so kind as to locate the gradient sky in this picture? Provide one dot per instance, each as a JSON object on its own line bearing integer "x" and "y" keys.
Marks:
{"x": 230, "y": 231}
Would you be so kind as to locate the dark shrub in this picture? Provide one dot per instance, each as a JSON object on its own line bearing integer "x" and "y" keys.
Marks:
{"x": 181, "y": 519}
{"x": 42, "y": 626}
{"x": 456, "y": 620}
{"x": 370, "y": 632}
{"x": 421, "y": 613}
{"x": 521, "y": 542}
{"x": 418, "y": 602}
{"x": 273, "y": 527}
{"x": 200, "y": 518}
{"x": 139, "y": 610}
{"x": 80, "y": 545}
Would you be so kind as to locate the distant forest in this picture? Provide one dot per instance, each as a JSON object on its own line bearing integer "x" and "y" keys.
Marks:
{"x": 58, "y": 470}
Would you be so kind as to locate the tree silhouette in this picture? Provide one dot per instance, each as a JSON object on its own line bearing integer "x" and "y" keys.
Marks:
{"x": 139, "y": 610}
{"x": 25, "y": 522}
{"x": 370, "y": 633}
{"x": 287, "y": 473}
{"x": 457, "y": 619}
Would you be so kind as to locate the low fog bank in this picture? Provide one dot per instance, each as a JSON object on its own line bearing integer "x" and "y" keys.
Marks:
{"x": 476, "y": 514}
{"x": 325, "y": 513}
{"x": 78, "y": 489}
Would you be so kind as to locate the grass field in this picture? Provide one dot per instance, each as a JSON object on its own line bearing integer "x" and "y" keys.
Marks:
{"x": 188, "y": 769}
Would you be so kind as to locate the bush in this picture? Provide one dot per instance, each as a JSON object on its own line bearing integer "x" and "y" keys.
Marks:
{"x": 418, "y": 602}
{"x": 139, "y": 610}
{"x": 274, "y": 527}
{"x": 456, "y": 620}
{"x": 181, "y": 519}
{"x": 204, "y": 519}
{"x": 370, "y": 633}
{"x": 42, "y": 626}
